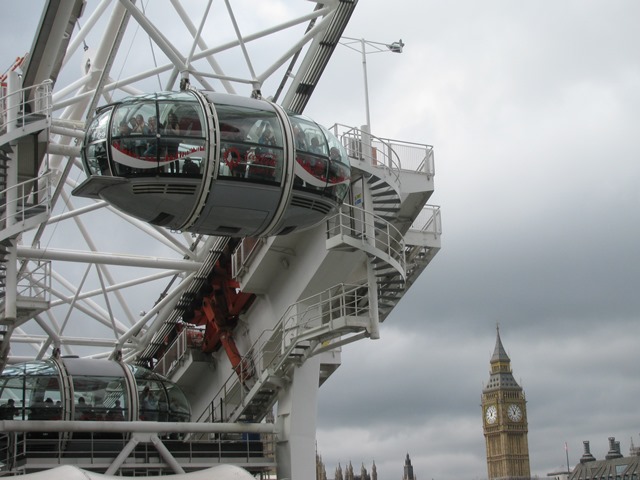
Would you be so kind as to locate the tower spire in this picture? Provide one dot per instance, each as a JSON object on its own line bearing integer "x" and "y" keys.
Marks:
{"x": 408, "y": 469}
{"x": 499, "y": 353}
{"x": 505, "y": 420}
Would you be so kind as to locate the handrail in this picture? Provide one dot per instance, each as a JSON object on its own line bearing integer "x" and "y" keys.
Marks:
{"x": 173, "y": 354}
{"x": 410, "y": 155}
{"x": 244, "y": 253}
{"x": 355, "y": 222}
{"x": 98, "y": 443}
{"x": 301, "y": 319}
{"x": 428, "y": 164}
{"x": 36, "y": 283}
{"x": 353, "y": 140}
{"x": 32, "y": 102}
{"x": 314, "y": 316}
{"x": 32, "y": 196}
{"x": 429, "y": 220}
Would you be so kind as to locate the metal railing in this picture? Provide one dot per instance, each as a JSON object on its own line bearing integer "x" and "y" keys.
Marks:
{"x": 25, "y": 200}
{"x": 244, "y": 253}
{"x": 20, "y": 451}
{"x": 173, "y": 355}
{"x": 356, "y": 222}
{"x": 36, "y": 282}
{"x": 394, "y": 154}
{"x": 26, "y": 105}
{"x": 429, "y": 220}
{"x": 381, "y": 155}
{"x": 318, "y": 318}
{"x": 315, "y": 319}
{"x": 188, "y": 338}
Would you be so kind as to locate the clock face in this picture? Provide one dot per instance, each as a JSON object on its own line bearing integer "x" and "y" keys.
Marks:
{"x": 514, "y": 413}
{"x": 491, "y": 414}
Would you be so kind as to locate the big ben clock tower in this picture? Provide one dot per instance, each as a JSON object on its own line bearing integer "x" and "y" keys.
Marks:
{"x": 504, "y": 417}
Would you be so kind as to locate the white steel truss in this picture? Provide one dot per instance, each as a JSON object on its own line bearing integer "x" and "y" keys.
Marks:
{"x": 114, "y": 279}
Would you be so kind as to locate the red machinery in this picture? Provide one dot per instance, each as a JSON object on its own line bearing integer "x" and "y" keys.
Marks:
{"x": 220, "y": 308}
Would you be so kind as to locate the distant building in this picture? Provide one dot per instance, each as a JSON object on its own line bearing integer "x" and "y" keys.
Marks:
{"x": 615, "y": 466}
{"x": 348, "y": 473}
{"x": 321, "y": 472}
{"x": 505, "y": 426}
{"x": 408, "y": 470}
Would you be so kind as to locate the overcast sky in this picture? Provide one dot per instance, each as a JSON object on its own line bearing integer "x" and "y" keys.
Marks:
{"x": 533, "y": 109}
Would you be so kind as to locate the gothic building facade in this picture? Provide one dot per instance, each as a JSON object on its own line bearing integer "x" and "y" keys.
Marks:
{"x": 349, "y": 474}
{"x": 505, "y": 425}
{"x": 408, "y": 469}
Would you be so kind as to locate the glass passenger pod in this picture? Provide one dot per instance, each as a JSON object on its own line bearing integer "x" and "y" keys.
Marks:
{"x": 156, "y": 150}
{"x": 253, "y": 167}
{"x": 322, "y": 163}
{"x": 322, "y": 175}
{"x": 154, "y": 134}
{"x": 98, "y": 390}
{"x": 213, "y": 163}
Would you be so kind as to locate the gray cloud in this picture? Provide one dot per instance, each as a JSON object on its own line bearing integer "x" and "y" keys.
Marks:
{"x": 532, "y": 109}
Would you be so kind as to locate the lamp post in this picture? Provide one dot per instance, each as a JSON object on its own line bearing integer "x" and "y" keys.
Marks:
{"x": 374, "y": 47}
{"x": 366, "y": 154}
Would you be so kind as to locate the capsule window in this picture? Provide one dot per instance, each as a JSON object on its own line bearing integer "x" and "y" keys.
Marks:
{"x": 99, "y": 398}
{"x": 321, "y": 161}
{"x": 251, "y": 144}
{"x": 158, "y": 399}
{"x": 312, "y": 163}
{"x": 152, "y": 401}
{"x": 339, "y": 173}
{"x": 95, "y": 151}
{"x": 30, "y": 392}
{"x": 158, "y": 138}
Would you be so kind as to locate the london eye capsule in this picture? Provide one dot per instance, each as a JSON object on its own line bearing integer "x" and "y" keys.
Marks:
{"x": 213, "y": 163}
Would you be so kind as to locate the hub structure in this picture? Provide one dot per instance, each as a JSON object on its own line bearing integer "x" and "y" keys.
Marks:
{"x": 184, "y": 252}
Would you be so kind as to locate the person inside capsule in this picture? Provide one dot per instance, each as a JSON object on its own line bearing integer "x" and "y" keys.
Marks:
{"x": 201, "y": 155}
{"x": 315, "y": 170}
{"x": 159, "y": 146}
{"x": 251, "y": 142}
{"x": 96, "y": 390}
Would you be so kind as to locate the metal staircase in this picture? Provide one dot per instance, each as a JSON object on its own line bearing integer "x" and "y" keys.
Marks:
{"x": 307, "y": 328}
{"x": 335, "y": 317}
{"x": 25, "y": 202}
{"x": 379, "y": 161}
{"x": 385, "y": 198}
{"x": 341, "y": 314}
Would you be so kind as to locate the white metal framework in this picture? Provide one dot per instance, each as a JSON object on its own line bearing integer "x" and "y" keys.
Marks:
{"x": 82, "y": 278}
{"x": 129, "y": 48}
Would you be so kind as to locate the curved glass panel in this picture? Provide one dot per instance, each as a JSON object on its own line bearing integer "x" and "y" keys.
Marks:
{"x": 251, "y": 144}
{"x": 95, "y": 151}
{"x": 179, "y": 408}
{"x": 158, "y": 135}
{"x": 159, "y": 400}
{"x": 152, "y": 401}
{"x": 312, "y": 162}
{"x": 30, "y": 391}
{"x": 99, "y": 398}
{"x": 339, "y": 177}
{"x": 322, "y": 163}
